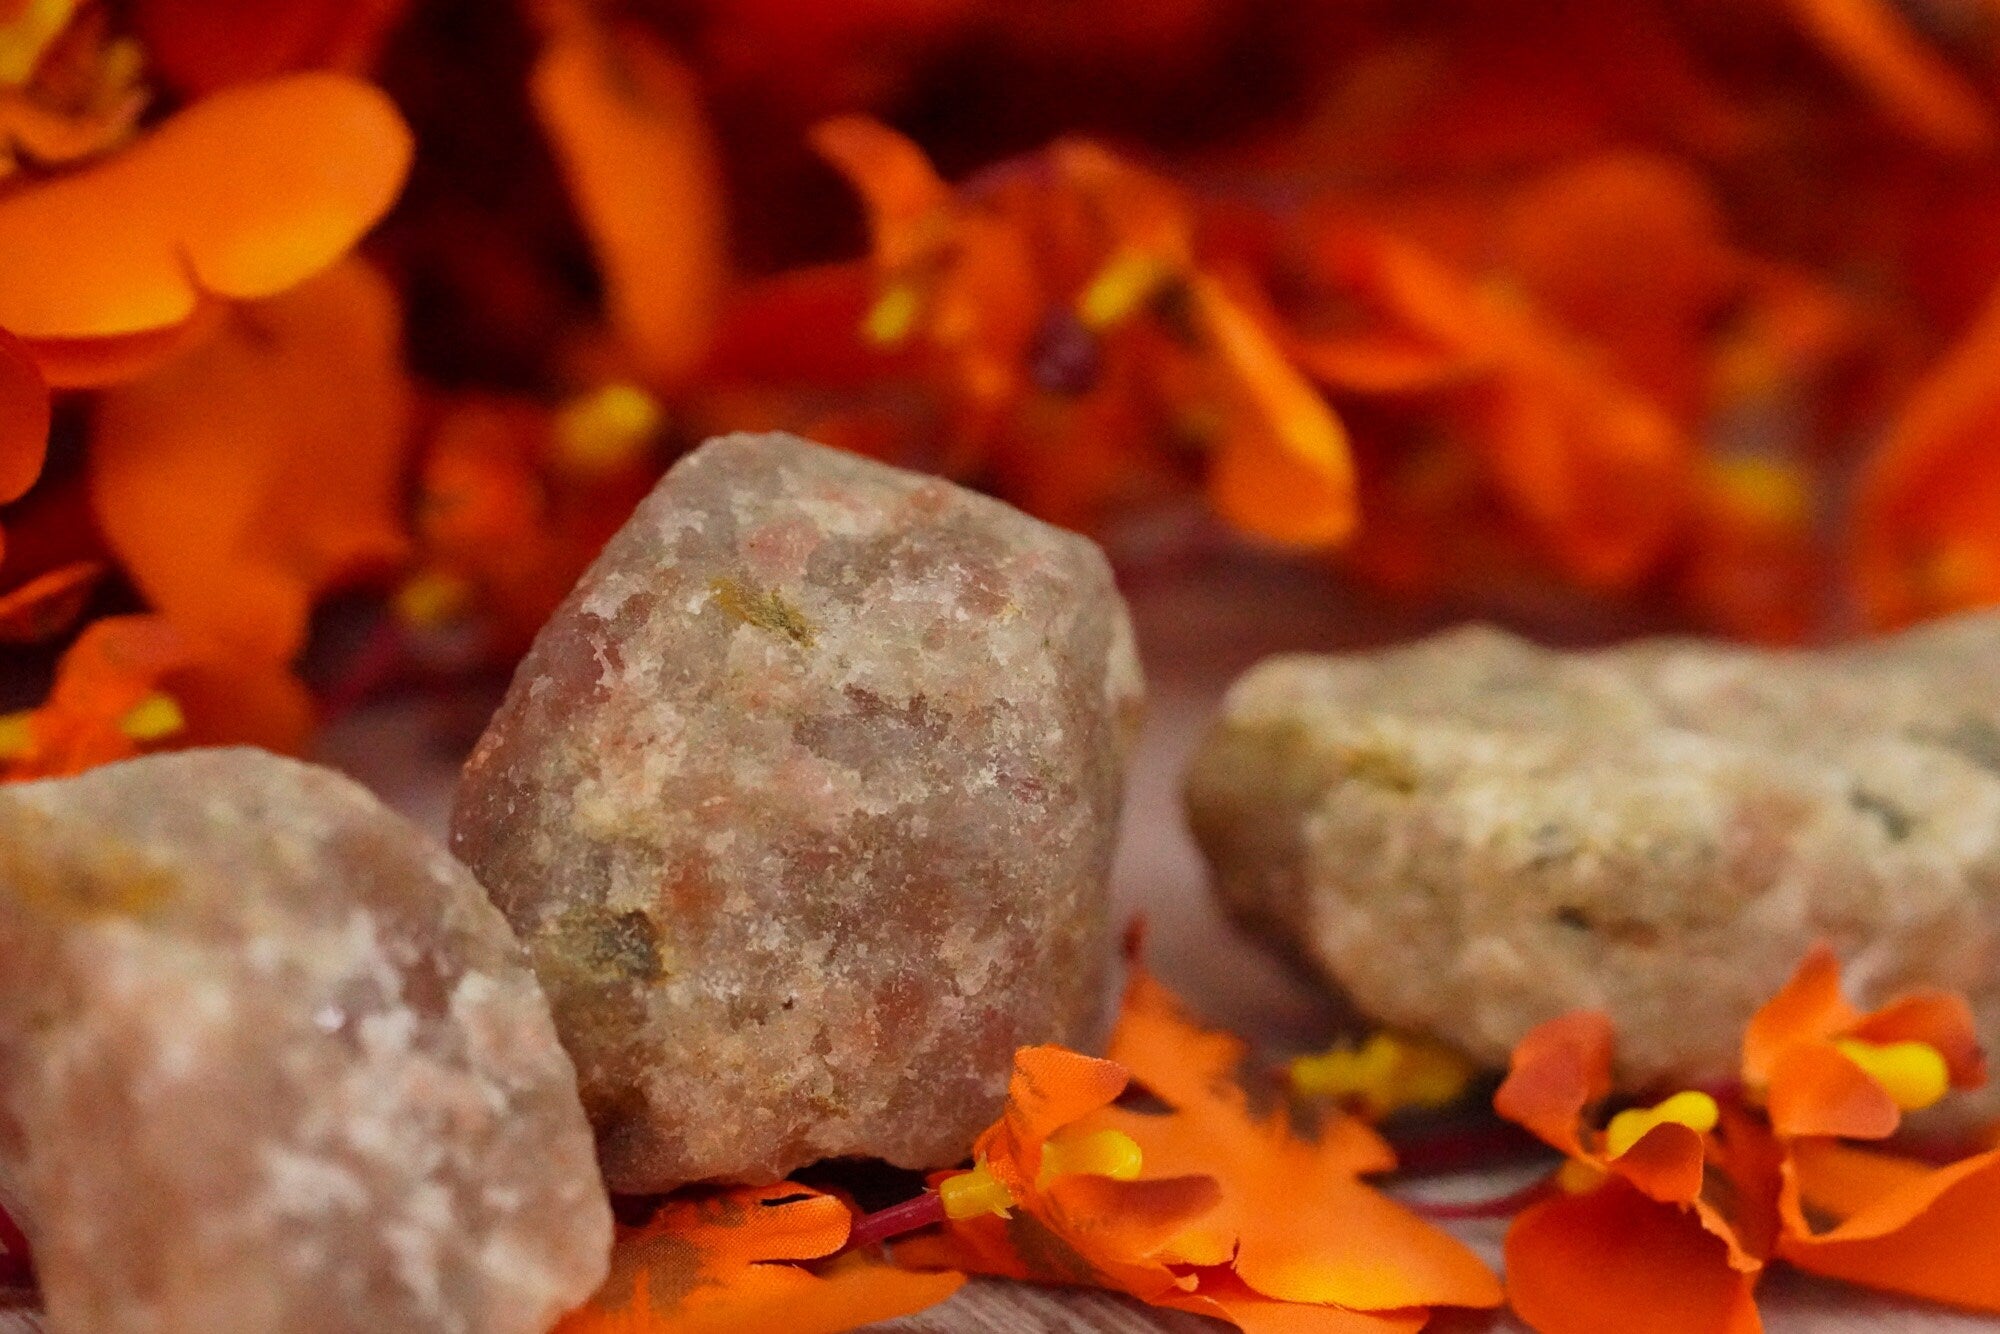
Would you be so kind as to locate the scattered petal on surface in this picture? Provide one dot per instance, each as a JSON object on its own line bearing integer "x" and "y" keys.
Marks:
{"x": 731, "y": 1260}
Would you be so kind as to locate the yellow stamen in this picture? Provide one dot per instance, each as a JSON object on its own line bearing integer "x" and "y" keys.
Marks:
{"x": 1697, "y": 1111}
{"x": 971, "y": 1194}
{"x": 893, "y": 315}
{"x": 1913, "y": 1073}
{"x": 24, "y": 41}
{"x": 17, "y": 734}
{"x": 1120, "y": 288}
{"x": 154, "y": 718}
{"x": 1106, "y": 1153}
{"x": 1385, "y": 1074}
{"x": 606, "y": 430}
{"x": 430, "y": 598}
{"x": 1576, "y": 1177}
{"x": 1770, "y": 493}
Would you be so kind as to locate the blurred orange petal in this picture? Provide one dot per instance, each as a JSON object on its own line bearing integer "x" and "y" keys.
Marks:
{"x": 625, "y": 117}
{"x": 242, "y": 480}
{"x": 244, "y": 194}
{"x": 1915, "y": 84}
{"x": 724, "y": 1261}
{"x": 221, "y": 698}
{"x": 48, "y": 604}
{"x": 92, "y": 363}
{"x": 906, "y": 200}
{"x": 1285, "y": 474}
{"x": 1611, "y": 1259}
{"x": 1926, "y": 525}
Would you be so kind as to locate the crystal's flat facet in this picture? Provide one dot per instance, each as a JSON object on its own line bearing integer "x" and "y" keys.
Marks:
{"x": 803, "y": 804}
{"x": 271, "y": 1063}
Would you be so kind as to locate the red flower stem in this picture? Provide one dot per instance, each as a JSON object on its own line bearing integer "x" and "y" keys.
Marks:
{"x": 17, "y": 1268}
{"x": 872, "y": 1229}
{"x": 1500, "y": 1206}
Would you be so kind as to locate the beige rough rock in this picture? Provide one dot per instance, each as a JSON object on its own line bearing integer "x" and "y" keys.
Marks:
{"x": 803, "y": 804}
{"x": 1470, "y": 835}
{"x": 270, "y": 1063}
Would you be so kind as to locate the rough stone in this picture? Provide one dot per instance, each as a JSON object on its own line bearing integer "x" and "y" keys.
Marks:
{"x": 271, "y": 1063}
{"x": 803, "y": 804}
{"x": 1470, "y": 835}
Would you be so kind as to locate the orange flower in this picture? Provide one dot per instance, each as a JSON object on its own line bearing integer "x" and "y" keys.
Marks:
{"x": 243, "y": 195}
{"x": 514, "y": 500}
{"x": 1295, "y": 1222}
{"x": 1018, "y": 1215}
{"x": 624, "y": 115}
{"x": 130, "y": 684}
{"x": 1823, "y": 1068}
{"x": 1645, "y": 1232}
{"x": 245, "y": 478}
{"x": 1926, "y": 529}
{"x": 1074, "y": 278}
{"x": 1829, "y": 1072}
{"x": 732, "y": 1260}
{"x": 1213, "y": 1209}
{"x": 1666, "y": 1218}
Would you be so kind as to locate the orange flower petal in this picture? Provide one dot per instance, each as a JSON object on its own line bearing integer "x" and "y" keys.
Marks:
{"x": 1916, "y": 85}
{"x": 1286, "y": 473}
{"x": 48, "y": 604}
{"x": 1810, "y": 1007}
{"x": 717, "y": 1262}
{"x": 906, "y": 200}
{"x": 1294, "y": 1222}
{"x": 1051, "y": 1088}
{"x": 1817, "y": 1091}
{"x": 24, "y": 418}
{"x": 1557, "y": 1071}
{"x": 92, "y": 363}
{"x": 1611, "y": 1259}
{"x": 1930, "y": 1235}
{"x": 244, "y": 194}
{"x": 245, "y": 478}
{"x": 225, "y": 697}
{"x": 624, "y": 115}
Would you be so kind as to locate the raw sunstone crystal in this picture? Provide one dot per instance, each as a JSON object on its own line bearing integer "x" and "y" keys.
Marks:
{"x": 804, "y": 804}
{"x": 270, "y": 1062}
{"x": 1469, "y": 835}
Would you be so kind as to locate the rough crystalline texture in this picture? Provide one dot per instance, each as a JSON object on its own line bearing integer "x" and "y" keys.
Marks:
{"x": 1470, "y": 835}
{"x": 271, "y": 1063}
{"x": 804, "y": 804}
